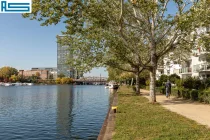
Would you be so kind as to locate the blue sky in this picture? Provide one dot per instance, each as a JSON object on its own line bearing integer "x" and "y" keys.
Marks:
{"x": 26, "y": 44}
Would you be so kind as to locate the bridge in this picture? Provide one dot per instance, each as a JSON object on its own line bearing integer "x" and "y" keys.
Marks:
{"x": 91, "y": 80}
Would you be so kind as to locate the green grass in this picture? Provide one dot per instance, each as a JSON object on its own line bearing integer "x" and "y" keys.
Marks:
{"x": 137, "y": 119}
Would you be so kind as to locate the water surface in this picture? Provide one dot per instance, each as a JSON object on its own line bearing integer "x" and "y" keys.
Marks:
{"x": 52, "y": 112}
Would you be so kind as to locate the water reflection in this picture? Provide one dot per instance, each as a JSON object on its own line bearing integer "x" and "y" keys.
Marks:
{"x": 64, "y": 111}
{"x": 81, "y": 111}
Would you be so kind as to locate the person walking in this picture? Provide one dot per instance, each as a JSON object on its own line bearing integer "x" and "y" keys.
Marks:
{"x": 168, "y": 89}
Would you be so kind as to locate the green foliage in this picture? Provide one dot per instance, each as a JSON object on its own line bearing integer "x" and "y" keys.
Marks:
{"x": 206, "y": 83}
{"x": 188, "y": 83}
{"x": 147, "y": 82}
{"x": 161, "y": 89}
{"x": 64, "y": 80}
{"x": 193, "y": 83}
{"x": 158, "y": 83}
{"x": 179, "y": 83}
{"x": 121, "y": 34}
{"x": 134, "y": 88}
{"x": 186, "y": 93}
{"x": 173, "y": 78}
{"x": 14, "y": 78}
{"x": 61, "y": 75}
{"x": 58, "y": 81}
{"x": 167, "y": 125}
{"x": 194, "y": 95}
{"x": 7, "y": 72}
{"x": 176, "y": 92}
{"x": 204, "y": 96}
{"x": 163, "y": 79}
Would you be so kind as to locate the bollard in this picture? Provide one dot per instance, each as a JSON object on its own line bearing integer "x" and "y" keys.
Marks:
{"x": 114, "y": 108}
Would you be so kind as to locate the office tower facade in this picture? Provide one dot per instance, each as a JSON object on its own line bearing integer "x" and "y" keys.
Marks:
{"x": 63, "y": 56}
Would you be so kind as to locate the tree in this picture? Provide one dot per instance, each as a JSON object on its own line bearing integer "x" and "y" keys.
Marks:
{"x": 14, "y": 78}
{"x": 141, "y": 31}
{"x": 61, "y": 75}
{"x": 51, "y": 76}
{"x": 66, "y": 80}
{"x": 173, "y": 78}
{"x": 38, "y": 75}
{"x": 7, "y": 72}
{"x": 113, "y": 74}
{"x": 58, "y": 81}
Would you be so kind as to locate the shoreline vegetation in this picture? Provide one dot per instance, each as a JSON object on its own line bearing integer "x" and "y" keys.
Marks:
{"x": 136, "y": 118}
{"x": 11, "y": 75}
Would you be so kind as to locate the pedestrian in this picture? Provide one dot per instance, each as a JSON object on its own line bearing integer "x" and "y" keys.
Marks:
{"x": 168, "y": 89}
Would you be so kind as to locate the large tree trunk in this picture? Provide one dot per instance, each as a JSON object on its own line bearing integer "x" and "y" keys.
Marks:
{"x": 153, "y": 73}
{"x": 137, "y": 84}
{"x": 152, "y": 86}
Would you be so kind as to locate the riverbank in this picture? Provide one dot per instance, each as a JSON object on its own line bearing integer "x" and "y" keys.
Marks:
{"x": 107, "y": 129}
{"x": 138, "y": 119}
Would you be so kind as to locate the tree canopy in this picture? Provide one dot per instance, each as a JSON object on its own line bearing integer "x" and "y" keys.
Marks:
{"x": 7, "y": 72}
{"x": 129, "y": 35}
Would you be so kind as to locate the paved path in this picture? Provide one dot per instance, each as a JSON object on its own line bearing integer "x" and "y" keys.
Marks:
{"x": 192, "y": 110}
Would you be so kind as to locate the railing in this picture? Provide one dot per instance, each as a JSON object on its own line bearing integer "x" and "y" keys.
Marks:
{"x": 92, "y": 79}
{"x": 201, "y": 67}
{"x": 185, "y": 70}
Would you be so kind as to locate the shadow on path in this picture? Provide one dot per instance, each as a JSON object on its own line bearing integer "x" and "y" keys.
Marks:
{"x": 190, "y": 109}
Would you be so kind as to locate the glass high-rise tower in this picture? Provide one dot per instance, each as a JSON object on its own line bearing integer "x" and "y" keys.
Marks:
{"x": 62, "y": 57}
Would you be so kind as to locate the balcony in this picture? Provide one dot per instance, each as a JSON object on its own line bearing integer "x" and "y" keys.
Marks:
{"x": 185, "y": 70}
{"x": 201, "y": 67}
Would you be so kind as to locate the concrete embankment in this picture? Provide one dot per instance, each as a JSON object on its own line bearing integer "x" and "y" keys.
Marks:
{"x": 109, "y": 123}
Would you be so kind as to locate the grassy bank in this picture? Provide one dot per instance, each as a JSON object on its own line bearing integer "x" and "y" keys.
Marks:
{"x": 137, "y": 119}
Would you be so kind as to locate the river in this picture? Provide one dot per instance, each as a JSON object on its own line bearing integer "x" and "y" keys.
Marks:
{"x": 62, "y": 112}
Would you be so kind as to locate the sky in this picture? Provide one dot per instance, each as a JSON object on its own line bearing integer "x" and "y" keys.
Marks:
{"x": 25, "y": 44}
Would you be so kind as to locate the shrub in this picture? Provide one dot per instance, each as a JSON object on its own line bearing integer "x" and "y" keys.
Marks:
{"x": 194, "y": 95}
{"x": 66, "y": 80}
{"x": 197, "y": 84}
{"x": 58, "y": 81}
{"x": 159, "y": 90}
{"x": 163, "y": 79}
{"x": 163, "y": 89}
{"x": 185, "y": 93}
{"x": 158, "y": 83}
{"x": 188, "y": 83}
{"x": 179, "y": 83}
{"x": 134, "y": 88}
{"x": 147, "y": 82}
{"x": 175, "y": 92}
{"x": 193, "y": 83}
{"x": 173, "y": 78}
{"x": 143, "y": 86}
{"x": 206, "y": 83}
{"x": 204, "y": 96}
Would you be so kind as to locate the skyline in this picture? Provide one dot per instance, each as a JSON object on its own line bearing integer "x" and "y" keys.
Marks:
{"x": 26, "y": 44}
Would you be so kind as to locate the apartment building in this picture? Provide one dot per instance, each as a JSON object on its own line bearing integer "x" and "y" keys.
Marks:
{"x": 195, "y": 64}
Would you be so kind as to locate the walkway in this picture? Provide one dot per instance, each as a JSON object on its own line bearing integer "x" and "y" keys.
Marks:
{"x": 192, "y": 110}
